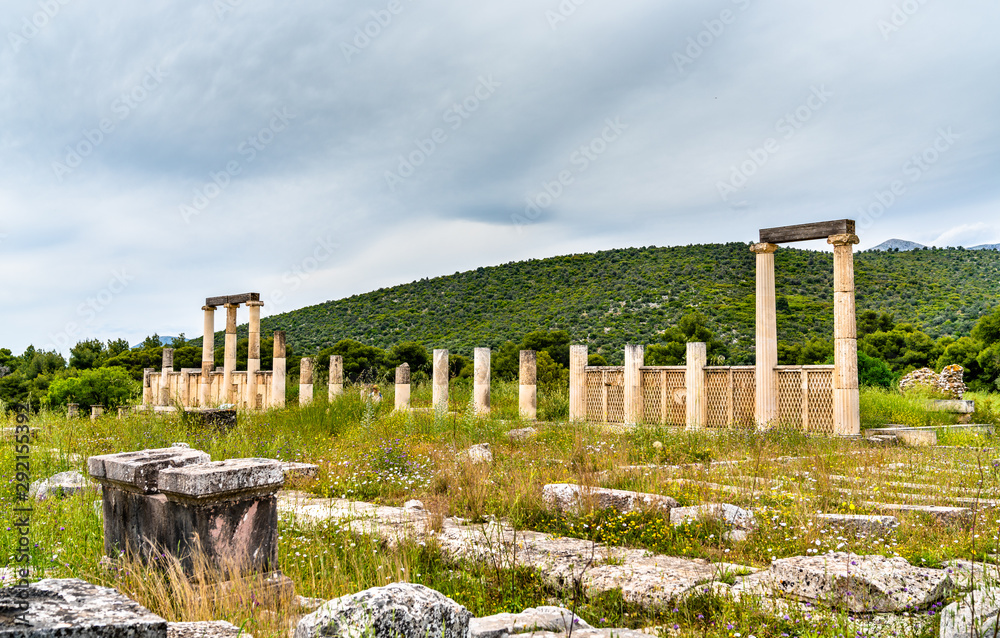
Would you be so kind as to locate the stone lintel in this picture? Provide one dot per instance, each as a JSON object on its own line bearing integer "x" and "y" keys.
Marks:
{"x": 845, "y": 239}
{"x": 234, "y": 479}
{"x": 73, "y": 607}
{"x": 805, "y": 232}
{"x": 139, "y": 471}
{"x": 232, "y": 299}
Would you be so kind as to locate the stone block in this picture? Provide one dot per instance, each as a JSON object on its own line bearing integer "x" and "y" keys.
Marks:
{"x": 480, "y": 453}
{"x": 59, "y": 485}
{"x": 139, "y": 471}
{"x": 955, "y": 406}
{"x": 529, "y": 621}
{"x": 402, "y": 610}
{"x": 975, "y": 616}
{"x": 300, "y": 471}
{"x": 77, "y": 609}
{"x": 917, "y": 438}
{"x": 729, "y": 514}
{"x": 859, "y": 523}
{"x": 205, "y": 629}
{"x": 860, "y": 583}
{"x": 568, "y": 497}
{"x": 233, "y": 479}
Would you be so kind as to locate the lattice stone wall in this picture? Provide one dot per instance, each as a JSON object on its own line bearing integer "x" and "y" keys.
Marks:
{"x": 185, "y": 387}
{"x": 805, "y": 396}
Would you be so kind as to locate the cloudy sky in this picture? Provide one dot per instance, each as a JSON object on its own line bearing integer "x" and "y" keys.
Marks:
{"x": 156, "y": 153}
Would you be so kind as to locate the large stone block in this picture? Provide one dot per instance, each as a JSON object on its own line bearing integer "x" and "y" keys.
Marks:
{"x": 140, "y": 471}
{"x": 975, "y": 616}
{"x": 568, "y": 497}
{"x": 860, "y": 583}
{"x": 400, "y": 610}
{"x": 74, "y": 608}
{"x": 234, "y": 479}
{"x": 529, "y": 621}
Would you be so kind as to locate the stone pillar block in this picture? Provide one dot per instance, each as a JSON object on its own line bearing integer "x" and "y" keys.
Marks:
{"x": 229, "y": 362}
{"x": 96, "y": 411}
{"x": 163, "y": 393}
{"x": 336, "y": 386}
{"x": 72, "y": 410}
{"x": 278, "y": 373}
{"x": 403, "y": 387}
{"x": 697, "y": 385}
{"x": 305, "y": 381}
{"x": 440, "y": 381}
{"x": 148, "y": 397}
{"x": 481, "y": 381}
{"x": 766, "y": 399}
{"x": 634, "y": 355}
{"x": 528, "y": 385}
{"x": 577, "y": 383}
{"x": 207, "y": 357}
{"x": 253, "y": 354}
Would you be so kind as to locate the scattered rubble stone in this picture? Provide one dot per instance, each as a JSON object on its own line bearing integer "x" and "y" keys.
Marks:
{"x": 860, "y": 583}
{"x": 413, "y": 504}
{"x": 479, "y": 453}
{"x": 949, "y": 382}
{"x": 568, "y": 497}
{"x": 402, "y": 610}
{"x": 522, "y": 434}
{"x": 59, "y": 485}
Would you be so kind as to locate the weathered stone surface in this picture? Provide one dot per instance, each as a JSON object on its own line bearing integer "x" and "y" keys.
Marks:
{"x": 413, "y": 504}
{"x": 402, "y": 610}
{"x": 969, "y": 575}
{"x": 59, "y": 485}
{"x": 300, "y": 471}
{"x": 236, "y": 478}
{"x": 479, "y": 453}
{"x": 860, "y": 583}
{"x": 729, "y": 514}
{"x": 859, "y": 523}
{"x": 917, "y": 438}
{"x": 949, "y": 382}
{"x": 73, "y": 607}
{"x": 139, "y": 471}
{"x": 533, "y": 620}
{"x": 206, "y": 629}
{"x": 955, "y": 406}
{"x": 975, "y": 616}
{"x": 944, "y": 513}
{"x": 568, "y": 497}
{"x": 522, "y": 434}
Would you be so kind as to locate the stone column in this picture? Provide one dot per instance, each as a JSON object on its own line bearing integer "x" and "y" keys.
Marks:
{"x": 694, "y": 379}
{"x": 481, "y": 380}
{"x": 527, "y": 396}
{"x": 148, "y": 397}
{"x": 846, "y": 399}
{"x": 633, "y": 383}
{"x": 766, "y": 397}
{"x": 305, "y": 381}
{"x": 578, "y": 383}
{"x": 336, "y": 384}
{"x": 229, "y": 364}
{"x": 96, "y": 411}
{"x": 403, "y": 387}
{"x": 72, "y": 410}
{"x": 278, "y": 370}
{"x": 207, "y": 356}
{"x": 440, "y": 387}
{"x": 163, "y": 395}
{"x": 253, "y": 353}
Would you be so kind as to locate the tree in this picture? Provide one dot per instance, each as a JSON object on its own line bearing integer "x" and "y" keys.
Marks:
{"x": 110, "y": 387}
{"x": 413, "y": 353}
{"x": 87, "y": 354}
{"x": 555, "y": 343}
{"x": 693, "y": 327}
{"x": 359, "y": 359}
{"x": 874, "y": 372}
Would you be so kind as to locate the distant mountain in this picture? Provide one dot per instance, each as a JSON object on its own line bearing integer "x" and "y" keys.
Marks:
{"x": 164, "y": 341}
{"x": 985, "y": 247}
{"x": 898, "y": 244}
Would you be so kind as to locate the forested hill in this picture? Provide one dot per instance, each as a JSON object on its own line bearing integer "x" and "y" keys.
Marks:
{"x": 614, "y": 297}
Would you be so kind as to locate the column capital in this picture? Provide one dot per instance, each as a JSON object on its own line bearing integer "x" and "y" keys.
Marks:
{"x": 254, "y": 304}
{"x": 207, "y": 308}
{"x": 231, "y": 306}
{"x": 843, "y": 240}
{"x": 763, "y": 248}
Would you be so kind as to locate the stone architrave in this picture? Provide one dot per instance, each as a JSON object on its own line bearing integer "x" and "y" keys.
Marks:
{"x": 253, "y": 354}
{"x": 229, "y": 362}
{"x": 766, "y": 399}
{"x": 403, "y": 387}
{"x": 305, "y": 381}
{"x": 163, "y": 393}
{"x": 527, "y": 395}
{"x": 336, "y": 383}
{"x": 481, "y": 381}
{"x": 278, "y": 373}
{"x": 578, "y": 383}
{"x": 697, "y": 396}
{"x": 440, "y": 381}
{"x": 634, "y": 355}
{"x": 846, "y": 397}
{"x": 207, "y": 356}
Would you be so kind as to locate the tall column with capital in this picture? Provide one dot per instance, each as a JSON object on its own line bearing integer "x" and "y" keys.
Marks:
{"x": 229, "y": 362}
{"x": 279, "y": 371}
{"x": 207, "y": 356}
{"x": 846, "y": 397}
{"x": 766, "y": 398}
{"x": 253, "y": 353}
